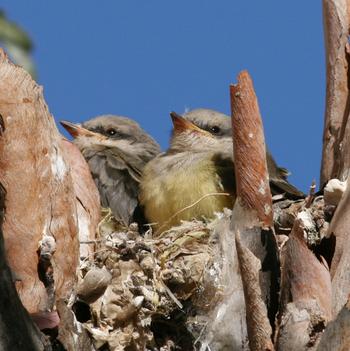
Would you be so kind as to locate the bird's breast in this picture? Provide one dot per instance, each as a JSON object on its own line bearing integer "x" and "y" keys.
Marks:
{"x": 186, "y": 191}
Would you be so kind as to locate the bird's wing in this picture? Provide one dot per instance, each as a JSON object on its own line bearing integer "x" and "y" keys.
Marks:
{"x": 225, "y": 169}
{"x": 278, "y": 182}
{"x": 117, "y": 159}
{"x": 117, "y": 182}
{"x": 282, "y": 186}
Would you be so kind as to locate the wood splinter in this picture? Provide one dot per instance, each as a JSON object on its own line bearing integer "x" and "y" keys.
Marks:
{"x": 252, "y": 219}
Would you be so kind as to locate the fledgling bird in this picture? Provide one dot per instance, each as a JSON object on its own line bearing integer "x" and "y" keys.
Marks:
{"x": 116, "y": 149}
{"x": 195, "y": 177}
{"x": 219, "y": 125}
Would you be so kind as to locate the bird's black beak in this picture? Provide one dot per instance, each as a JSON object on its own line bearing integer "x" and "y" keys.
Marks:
{"x": 76, "y": 130}
{"x": 181, "y": 124}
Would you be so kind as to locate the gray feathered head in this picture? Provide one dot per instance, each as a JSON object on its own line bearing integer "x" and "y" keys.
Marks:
{"x": 110, "y": 131}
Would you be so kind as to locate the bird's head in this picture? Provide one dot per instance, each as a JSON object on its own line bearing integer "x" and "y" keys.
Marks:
{"x": 202, "y": 130}
{"x": 113, "y": 131}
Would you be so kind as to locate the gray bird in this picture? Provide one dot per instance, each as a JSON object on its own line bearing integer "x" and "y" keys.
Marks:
{"x": 116, "y": 149}
{"x": 219, "y": 125}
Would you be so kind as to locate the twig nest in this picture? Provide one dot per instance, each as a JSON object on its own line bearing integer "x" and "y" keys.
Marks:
{"x": 94, "y": 284}
{"x": 315, "y": 221}
{"x": 308, "y": 223}
{"x": 334, "y": 191}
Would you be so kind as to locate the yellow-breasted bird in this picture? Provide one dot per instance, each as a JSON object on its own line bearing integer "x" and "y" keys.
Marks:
{"x": 195, "y": 177}
{"x": 116, "y": 149}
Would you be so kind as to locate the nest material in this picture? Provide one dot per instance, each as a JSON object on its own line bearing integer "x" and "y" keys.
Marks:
{"x": 165, "y": 293}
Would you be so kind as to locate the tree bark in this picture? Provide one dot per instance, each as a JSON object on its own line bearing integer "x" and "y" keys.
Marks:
{"x": 336, "y": 147}
{"x": 340, "y": 267}
{"x": 306, "y": 295}
{"x": 252, "y": 216}
{"x": 17, "y": 331}
{"x": 336, "y": 135}
{"x": 87, "y": 198}
{"x": 337, "y": 334}
{"x": 40, "y": 227}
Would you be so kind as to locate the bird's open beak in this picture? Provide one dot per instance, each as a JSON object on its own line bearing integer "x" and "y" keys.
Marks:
{"x": 181, "y": 124}
{"x": 76, "y": 130}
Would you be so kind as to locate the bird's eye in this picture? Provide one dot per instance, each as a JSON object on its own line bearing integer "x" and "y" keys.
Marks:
{"x": 215, "y": 130}
{"x": 111, "y": 132}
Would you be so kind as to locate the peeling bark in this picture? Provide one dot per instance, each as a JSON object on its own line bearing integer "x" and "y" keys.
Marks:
{"x": 252, "y": 218}
{"x": 250, "y": 151}
{"x": 336, "y": 136}
{"x": 258, "y": 326}
{"x": 17, "y": 331}
{"x": 337, "y": 334}
{"x": 40, "y": 197}
{"x": 227, "y": 328}
{"x": 306, "y": 295}
{"x": 340, "y": 268}
{"x": 87, "y": 198}
{"x": 71, "y": 334}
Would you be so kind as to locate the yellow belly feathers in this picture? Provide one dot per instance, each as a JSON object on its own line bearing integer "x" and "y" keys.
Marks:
{"x": 174, "y": 196}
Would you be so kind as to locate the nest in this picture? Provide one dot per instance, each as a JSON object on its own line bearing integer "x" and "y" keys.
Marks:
{"x": 165, "y": 293}
{"x": 140, "y": 290}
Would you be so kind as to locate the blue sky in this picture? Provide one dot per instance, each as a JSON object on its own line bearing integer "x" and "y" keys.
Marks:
{"x": 143, "y": 59}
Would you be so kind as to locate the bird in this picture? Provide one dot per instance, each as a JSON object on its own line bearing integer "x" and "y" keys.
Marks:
{"x": 116, "y": 149}
{"x": 194, "y": 178}
{"x": 220, "y": 125}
